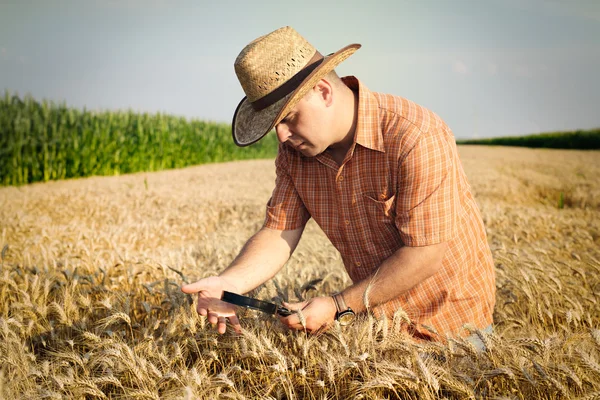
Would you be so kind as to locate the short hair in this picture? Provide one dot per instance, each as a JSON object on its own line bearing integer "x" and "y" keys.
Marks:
{"x": 334, "y": 79}
{"x": 331, "y": 77}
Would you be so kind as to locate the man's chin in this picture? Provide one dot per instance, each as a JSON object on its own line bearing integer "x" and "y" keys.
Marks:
{"x": 305, "y": 150}
{"x": 310, "y": 152}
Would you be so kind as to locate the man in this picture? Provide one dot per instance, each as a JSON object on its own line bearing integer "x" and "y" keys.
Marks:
{"x": 382, "y": 178}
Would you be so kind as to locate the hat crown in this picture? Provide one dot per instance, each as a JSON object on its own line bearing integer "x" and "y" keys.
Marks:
{"x": 269, "y": 61}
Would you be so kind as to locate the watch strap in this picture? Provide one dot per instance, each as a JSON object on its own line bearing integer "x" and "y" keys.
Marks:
{"x": 340, "y": 304}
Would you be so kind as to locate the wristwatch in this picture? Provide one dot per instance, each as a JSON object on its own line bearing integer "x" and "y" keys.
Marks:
{"x": 344, "y": 314}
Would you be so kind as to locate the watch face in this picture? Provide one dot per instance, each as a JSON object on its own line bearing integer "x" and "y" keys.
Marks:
{"x": 346, "y": 317}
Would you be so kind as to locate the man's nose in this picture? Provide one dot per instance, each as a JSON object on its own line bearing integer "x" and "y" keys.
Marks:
{"x": 283, "y": 133}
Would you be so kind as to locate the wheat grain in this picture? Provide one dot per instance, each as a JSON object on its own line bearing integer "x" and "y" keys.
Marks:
{"x": 87, "y": 387}
{"x": 571, "y": 375}
{"x": 454, "y": 385}
{"x": 113, "y": 318}
{"x": 588, "y": 361}
{"x": 431, "y": 380}
{"x": 107, "y": 380}
{"x": 595, "y": 333}
{"x": 142, "y": 394}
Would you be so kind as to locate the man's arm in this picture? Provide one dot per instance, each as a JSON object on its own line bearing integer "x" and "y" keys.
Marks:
{"x": 400, "y": 272}
{"x": 260, "y": 259}
{"x": 263, "y": 255}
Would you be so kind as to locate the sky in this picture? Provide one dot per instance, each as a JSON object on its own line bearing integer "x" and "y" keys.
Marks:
{"x": 489, "y": 68}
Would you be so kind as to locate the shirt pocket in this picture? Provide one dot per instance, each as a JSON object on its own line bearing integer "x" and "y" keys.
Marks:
{"x": 382, "y": 210}
{"x": 381, "y": 220}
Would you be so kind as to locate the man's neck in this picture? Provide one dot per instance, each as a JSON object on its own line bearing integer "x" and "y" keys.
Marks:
{"x": 349, "y": 116}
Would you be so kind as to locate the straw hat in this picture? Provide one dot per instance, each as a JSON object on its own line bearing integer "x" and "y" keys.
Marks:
{"x": 276, "y": 71}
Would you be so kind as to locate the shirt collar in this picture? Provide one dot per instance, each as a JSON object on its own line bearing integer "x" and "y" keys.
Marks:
{"x": 368, "y": 128}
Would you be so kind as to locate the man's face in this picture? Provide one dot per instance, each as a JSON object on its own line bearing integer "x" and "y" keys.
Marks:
{"x": 307, "y": 127}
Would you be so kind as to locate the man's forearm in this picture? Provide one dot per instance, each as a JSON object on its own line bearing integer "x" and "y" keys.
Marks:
{"x": 400, "y": 272}
{"x": 261, "y": 258}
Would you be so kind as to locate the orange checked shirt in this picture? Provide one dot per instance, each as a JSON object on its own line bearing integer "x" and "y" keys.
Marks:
{"x": 401, "y": 184}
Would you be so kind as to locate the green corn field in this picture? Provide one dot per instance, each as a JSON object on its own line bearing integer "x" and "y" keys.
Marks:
{"x": 43, "y": 141}
{"x": 574, "y": 140}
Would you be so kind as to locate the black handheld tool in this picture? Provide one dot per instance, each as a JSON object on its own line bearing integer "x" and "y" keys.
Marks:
{"x": 254, "y": 304}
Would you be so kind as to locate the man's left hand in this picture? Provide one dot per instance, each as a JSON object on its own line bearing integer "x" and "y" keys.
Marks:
{"x": 319, "y": 314}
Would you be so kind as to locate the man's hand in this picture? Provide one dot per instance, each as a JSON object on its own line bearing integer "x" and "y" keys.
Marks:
{"x": 209, "y": 292}
{"x": 318, "y": 312}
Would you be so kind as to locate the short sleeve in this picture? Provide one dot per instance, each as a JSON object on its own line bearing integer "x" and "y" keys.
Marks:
{"x": 285, "y": 209}
{"x": 428, "y": 198}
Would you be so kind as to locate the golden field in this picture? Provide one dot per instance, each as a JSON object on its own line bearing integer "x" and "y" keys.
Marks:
{"x": 91, "y": 306}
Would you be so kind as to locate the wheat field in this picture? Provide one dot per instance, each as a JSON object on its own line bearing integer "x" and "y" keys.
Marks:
{"x": 91, "y": 307}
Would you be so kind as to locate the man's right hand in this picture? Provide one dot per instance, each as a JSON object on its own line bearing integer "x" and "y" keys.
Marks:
{"x": 209, "y": 292}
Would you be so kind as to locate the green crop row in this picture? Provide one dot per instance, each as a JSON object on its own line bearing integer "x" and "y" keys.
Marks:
{"x": 581, "y": 140}
{"x": 42, "y": 141}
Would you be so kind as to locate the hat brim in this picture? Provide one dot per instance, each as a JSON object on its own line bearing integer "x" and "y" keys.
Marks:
{"x": 249, "y": 126}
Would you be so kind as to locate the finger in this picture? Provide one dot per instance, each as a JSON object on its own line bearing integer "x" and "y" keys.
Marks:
{"x": 235, "y": 323}
{"x": 190, "y": 288}
{"x": 298, "y": 327}
{"x": 221, "y": 325}
{"x": 313, "y": 330}
{"x": 295, "y": 306}
{"x": 322, "y": 329}
{"x": 213, "y": 318}
{"x": 202, "y": 284}
{"x": 202, "y": 310}
{"x": 291, "y": 319}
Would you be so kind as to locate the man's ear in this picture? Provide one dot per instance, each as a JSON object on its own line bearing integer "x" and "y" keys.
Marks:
{"x": 324, "y": 90}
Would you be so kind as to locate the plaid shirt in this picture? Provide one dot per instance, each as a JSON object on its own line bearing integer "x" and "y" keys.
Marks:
{"x": 402, "y": 184}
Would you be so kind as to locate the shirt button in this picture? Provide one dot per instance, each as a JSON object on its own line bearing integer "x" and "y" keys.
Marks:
{"x": 341, "y": 178}
{"x": 357, "y": 263}
{"x": 382, "y": 196}
{"x": 347, "y": 222}
{"x": 353, "y": 201}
